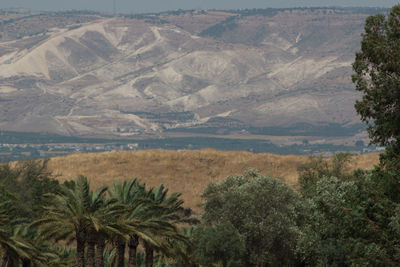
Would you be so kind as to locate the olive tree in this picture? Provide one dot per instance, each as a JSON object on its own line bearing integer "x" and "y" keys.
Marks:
{"x": 263, "y": 213}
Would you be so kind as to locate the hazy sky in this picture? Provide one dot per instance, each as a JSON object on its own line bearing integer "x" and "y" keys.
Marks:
{"x": 140, "y": 6}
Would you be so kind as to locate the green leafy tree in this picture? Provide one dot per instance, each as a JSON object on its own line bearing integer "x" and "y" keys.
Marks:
{"x": 264, "y": 213}
{"x": 377, "y": 77}
{"x": 221, "y": 244}
{"x": 317, "y": 168}
{"x": 348, "y": 224}
{"x": 27, "y": 182}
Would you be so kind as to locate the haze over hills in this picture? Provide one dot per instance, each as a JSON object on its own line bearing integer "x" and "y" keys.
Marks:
{"x": 275, "y": 72}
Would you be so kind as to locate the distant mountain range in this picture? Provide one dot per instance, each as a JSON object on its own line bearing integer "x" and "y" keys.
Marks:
{"x": 269, "y": 71}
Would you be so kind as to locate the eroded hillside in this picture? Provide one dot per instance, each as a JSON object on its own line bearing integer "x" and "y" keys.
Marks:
{"x": 206, "y": 71}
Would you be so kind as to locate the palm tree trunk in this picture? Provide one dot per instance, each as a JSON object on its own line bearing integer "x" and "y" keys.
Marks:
{"x": 149, "y": 256}
{"x": 26, "y": 263}
{"x": 101, "y": 245}
{"x": 133, "y": 244}
{"x": 120, "y": 247}
{"x": 80, "y": 249}
{"x": 91, "y": 238}
{"x": 10, "y": 262}
{"x": 90, "y": 253}
{"x": 3, "y": 261}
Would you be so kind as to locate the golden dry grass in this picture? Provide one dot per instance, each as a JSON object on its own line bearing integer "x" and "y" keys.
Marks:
{"x": 184, "y": 171}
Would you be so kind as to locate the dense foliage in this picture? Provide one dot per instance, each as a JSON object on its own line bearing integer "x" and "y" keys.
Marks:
{"x": 349, "y": 217}
{"x": 24, "y": 186}
{"x": 377, "y": 76}
{"x": 262, "y": 213}
{"x": 36, "y": 212}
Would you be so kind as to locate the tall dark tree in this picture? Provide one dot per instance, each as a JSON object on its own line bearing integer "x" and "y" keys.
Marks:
{"x": 377, "y": 77}
{"x": 348, "y": 223}
{"x": 28, "y": 181}
{"x": 220, "y": 244}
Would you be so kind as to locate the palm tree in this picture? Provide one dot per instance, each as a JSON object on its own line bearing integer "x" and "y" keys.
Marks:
{"x": 109, "y": 258}
{"x": 133, "y": 195}
{"x": 169, "y": 213}
{"x": 105, "y": 223}
{"x": 65, "y": 257}
{"x": 140, "y": 217}
{"x": 42, "y": 252}
{"x": 71, "y": 215}
{"x": 181, "y": 253}
{"x": 125, "y": 194}
{"x": 13, "y": 247}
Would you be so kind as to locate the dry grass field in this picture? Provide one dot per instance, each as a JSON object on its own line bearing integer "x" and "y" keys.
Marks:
{"x": 185, "y": 171}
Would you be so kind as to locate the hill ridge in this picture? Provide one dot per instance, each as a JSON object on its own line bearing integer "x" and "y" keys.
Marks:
{"x": 185, "y": 171}
{"x": 84, "y": 72}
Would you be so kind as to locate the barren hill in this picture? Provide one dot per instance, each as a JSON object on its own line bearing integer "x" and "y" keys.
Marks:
{"x": 185, "y": 171}
{"x": 198, "y": 71}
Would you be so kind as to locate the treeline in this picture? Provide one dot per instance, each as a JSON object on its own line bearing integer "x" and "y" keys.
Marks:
{"x": 270, "y": 12}
{"x": 334, "y": 217}
{"x": 45, "y": 223}
{"x": 9, "y": 137}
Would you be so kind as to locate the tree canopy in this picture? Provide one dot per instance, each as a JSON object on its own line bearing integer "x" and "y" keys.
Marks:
{"x": 262, "y": 211}
{"x": 377, "y": 77}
